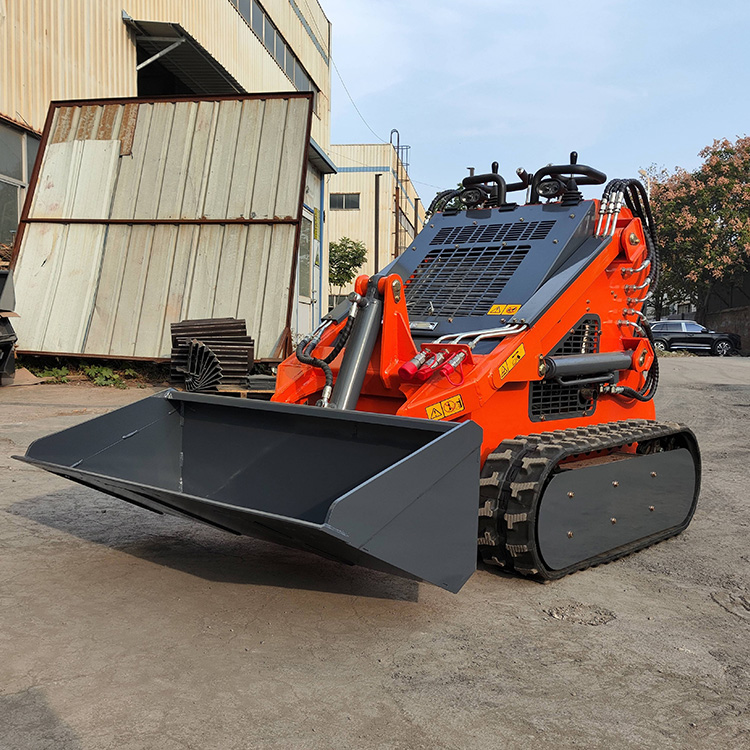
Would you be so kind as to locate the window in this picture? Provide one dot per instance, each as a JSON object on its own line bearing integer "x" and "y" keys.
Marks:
{"x": 243, "y": 6}
{"x": 344, "y": 201}
{"x": 273, "y": 41}
{"x": 304, "y": 273}
{"x": 11, "y": 153}
{"x": 289, "y": 67}
{"x": 8, "y": 213}
{"x": 280, "y": 51}
{"x": 694, "y": 328}
{"x": 673, "y": 327}
{"x": 18, "y": 151}
{"x": 257, "y": 20}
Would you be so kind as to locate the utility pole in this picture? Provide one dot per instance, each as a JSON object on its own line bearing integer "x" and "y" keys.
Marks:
{"x": 377, "y": 221}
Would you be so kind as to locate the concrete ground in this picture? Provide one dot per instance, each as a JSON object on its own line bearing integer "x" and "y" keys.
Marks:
{"x": 121, "y": 629}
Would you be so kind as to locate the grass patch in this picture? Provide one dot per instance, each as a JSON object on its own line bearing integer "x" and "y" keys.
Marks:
{"x": 109, "y": 374}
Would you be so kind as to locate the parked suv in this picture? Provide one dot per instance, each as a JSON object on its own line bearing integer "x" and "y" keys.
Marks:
{"x": 687, "y": 334}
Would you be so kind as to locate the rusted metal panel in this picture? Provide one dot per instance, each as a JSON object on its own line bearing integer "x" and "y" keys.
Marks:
{"x": 127, "y": 128}
{"x": 199, "y": 220}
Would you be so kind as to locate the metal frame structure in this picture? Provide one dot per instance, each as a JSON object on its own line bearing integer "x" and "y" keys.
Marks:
{"x": 284, "y": 346}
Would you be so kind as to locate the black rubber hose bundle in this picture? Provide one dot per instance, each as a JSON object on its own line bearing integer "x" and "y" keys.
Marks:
{"x": 341, "y": 340}
{"x": 306, "y": 359}
{"x": 439, "y": 201}
{"x": 307, "y": 346}
{"x": 652, "y": 379}
{"x": 636, "y": 199}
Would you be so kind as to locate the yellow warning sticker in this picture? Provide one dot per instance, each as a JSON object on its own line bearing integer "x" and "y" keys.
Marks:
{"x": 511, "y": 362}
{"x": 445, "y": 409}
{"x": 504, "y": 309}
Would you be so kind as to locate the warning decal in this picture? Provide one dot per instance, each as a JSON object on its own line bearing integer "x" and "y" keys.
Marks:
{"x": 511, "y": 362}
{"x": 445, "y": 409}
{"x": 504, "y": 309}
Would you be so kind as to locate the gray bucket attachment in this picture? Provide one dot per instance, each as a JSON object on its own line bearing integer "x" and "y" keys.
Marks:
{"x": 394, "y": 494}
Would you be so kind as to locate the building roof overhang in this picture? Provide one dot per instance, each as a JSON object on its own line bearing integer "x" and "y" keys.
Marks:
{"x": 183, "y": 56}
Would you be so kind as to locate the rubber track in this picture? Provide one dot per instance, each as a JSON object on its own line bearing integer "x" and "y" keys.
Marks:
{"x": 515, "y": 474}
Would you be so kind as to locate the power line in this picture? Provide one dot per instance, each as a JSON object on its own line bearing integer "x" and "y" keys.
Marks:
{"x": 361, "y": 116}
{"x": 338, "y": 73}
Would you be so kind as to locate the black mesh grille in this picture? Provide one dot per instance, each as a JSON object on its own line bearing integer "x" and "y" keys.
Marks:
{"x": 461, "y": 281}
{"x": 550, "y": 400}
{"x": 583, "y": 339}
{"x": 553, "y": 401}
{"x": 512, "y": 231}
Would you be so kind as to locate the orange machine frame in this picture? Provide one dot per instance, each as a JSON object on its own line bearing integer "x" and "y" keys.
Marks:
{"x": 493, "y": 389}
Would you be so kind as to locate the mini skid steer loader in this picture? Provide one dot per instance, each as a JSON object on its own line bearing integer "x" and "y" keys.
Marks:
{"x": 493, "y": 384}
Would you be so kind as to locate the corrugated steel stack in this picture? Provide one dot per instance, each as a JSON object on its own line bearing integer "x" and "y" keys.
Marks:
{"x": 211, "y": 352}
{"x": 7, "y": 334}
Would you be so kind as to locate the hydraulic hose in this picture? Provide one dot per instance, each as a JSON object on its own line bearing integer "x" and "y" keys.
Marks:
{"x": 306, "y": 347}
{"x": 440, "y": 200}
{"x": 307, "y": 359}
{"x": 341, "y": 340}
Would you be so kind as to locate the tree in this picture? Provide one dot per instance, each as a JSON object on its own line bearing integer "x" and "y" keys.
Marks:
{"x": 703, "y": 221}
{"x": 345, "y": 257}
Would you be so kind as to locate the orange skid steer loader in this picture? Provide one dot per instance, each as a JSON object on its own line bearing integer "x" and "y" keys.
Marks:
{"x": 489, "y": 394}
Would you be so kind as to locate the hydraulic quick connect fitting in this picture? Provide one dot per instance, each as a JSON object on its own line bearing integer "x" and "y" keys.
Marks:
{"x": 450, "y": 366}
{"x": 430, "y": 368}
{"x": 408, "y": 370}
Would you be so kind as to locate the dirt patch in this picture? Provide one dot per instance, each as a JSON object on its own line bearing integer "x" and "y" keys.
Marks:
{"x": 581, "y": 614}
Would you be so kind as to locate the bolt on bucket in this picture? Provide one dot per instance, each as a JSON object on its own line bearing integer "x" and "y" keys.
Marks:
{"x": 390, "y": 493}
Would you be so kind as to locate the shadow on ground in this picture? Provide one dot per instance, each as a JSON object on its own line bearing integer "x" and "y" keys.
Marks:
{"x": 28, "y": 721}
{"x": 202, "y": 551}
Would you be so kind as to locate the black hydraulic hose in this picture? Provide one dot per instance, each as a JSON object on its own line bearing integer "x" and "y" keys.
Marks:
{"x": 341, "y": 340}
{"x": 652, "y": 379}
{"x": 307, "y": 359}
{"x": 307, "y": 346}
{"x": 636, "y": 199}
{"x": 441, "y": 199}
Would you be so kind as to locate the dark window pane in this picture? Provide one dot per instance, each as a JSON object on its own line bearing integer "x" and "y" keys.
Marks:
{"x": 257, "y": 20}
{"x": 351, "y": 200}
{"x": 673, "y": 327}
{"x": 305, "y": 264}
{"x": 300, "y": 78}
{"x": 693, "y": 328}
{"x": 290, "y": 64}
{"x": 337, "y": 200}
{"x": 280, "y": 51}
{"x": 11, "y": 154}
{"x": 8, "y": 212}
{"x": 32, "y": 147}
{"x": 244, "y": 7}
{"x": 269, "y": 36}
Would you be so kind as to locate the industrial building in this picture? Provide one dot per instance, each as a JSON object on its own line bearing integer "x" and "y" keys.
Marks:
{"x": 189, "y": 51}
{"x": 373, "y": 200}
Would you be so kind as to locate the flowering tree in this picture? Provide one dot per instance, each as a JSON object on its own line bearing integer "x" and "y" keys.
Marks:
{"x": 703, "y": 220}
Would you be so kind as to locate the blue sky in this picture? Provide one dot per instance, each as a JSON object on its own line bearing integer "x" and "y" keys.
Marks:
{"x": 626, "y": 84}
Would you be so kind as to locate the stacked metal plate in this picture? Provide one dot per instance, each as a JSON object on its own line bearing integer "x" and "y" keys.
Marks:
{"x": 209, "y": 353}
{"x": 7, "y": 334}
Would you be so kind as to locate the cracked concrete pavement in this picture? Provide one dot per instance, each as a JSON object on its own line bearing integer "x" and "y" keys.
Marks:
{"x": 123, "y": 629}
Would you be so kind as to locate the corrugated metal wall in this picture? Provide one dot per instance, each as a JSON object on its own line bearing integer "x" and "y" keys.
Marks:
{"x": 81, "y": 49}
{"x": 119, "y": 241}
{"x": 357, "y": 165}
